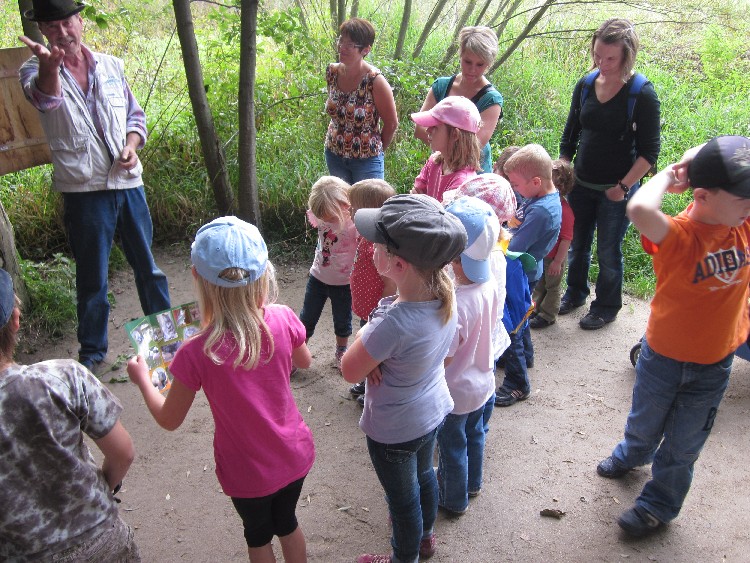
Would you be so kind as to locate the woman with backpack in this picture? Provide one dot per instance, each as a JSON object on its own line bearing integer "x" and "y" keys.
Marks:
{"x": 613, "y": 132}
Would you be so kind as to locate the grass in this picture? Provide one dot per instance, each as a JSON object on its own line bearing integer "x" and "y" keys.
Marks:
{"x": 699, "y": 71}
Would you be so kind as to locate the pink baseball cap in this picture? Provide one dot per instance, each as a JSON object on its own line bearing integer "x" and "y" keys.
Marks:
{"x": 490, "y": 188}
{"x": 456, "y": 111}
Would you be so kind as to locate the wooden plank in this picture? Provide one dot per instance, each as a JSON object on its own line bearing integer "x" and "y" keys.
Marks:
{"x": 23, "y": 143}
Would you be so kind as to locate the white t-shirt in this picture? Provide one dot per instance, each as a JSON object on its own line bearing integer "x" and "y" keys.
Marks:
{"x": 334, "y": 254}
{"x": 471, "y": 373}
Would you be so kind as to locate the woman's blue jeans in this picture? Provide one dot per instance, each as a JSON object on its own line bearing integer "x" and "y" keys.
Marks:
{"x": 408, "y": 479}
{"x": 461, "y": 453}
{"x": 594, "y": 211}
{"x": 674, "y": 407}
{"x": 91, "y": 221}
{"x": 353, "y": 170}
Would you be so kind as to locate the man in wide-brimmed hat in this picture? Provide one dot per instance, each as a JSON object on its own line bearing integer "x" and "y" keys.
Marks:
{"x": 94, "y": 126}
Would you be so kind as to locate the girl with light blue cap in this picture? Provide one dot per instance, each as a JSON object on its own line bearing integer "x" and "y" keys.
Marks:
{"x": 242, "y": 358}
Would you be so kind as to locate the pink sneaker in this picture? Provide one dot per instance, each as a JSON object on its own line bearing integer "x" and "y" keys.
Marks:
{"x": 427, "y": 547}
{"x": 367, "y": 558}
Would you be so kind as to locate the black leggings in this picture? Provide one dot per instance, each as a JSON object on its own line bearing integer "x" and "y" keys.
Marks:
{"x": 272, "y": 515}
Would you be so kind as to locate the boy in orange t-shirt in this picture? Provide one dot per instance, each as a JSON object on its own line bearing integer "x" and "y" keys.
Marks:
{"x": 699, "y": 317}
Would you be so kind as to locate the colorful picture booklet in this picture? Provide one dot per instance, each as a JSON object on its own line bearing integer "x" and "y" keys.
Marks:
{"x": 156, "y": 338}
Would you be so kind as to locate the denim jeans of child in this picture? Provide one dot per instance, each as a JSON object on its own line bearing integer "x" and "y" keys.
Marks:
{"x": 408, "y": 479}
{"x": 461, "y": 453}
{"x": 673, "y": 411}
{"x": 91, "y": 221}
{"x": 593, "y": 211}
{"x": 316, "y": 293}
{"x": 353, "y": 170}
{"x": 518, "y": 356}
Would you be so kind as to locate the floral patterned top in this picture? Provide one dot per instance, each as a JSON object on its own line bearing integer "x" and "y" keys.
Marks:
{"x": 354, "y": 130}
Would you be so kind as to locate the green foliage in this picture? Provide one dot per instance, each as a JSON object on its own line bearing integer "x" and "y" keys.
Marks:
{"x": 698, "y": 72}
{"x": 51, "y": 286}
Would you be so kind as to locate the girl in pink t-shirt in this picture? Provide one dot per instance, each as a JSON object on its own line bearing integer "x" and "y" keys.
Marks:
{"x": 242, "y": 358}
{"x": 452, "y": 127}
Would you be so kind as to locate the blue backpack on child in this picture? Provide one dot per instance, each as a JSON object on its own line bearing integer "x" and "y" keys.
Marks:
{"x": 518, "y": 306}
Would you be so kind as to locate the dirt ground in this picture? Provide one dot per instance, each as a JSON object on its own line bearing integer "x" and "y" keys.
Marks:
{"x": 540, "y": 454}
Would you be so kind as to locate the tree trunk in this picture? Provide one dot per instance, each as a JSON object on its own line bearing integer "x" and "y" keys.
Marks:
{"x": 341, "y": 13}
{"x": 398, "y": 53}
{"x": 333, "y": 8}
{"x": 521, "y": 36}
{"x": 461, "y": 23}
{"x": 9, "y": 258}
{"x": 508, "y": 14}
{"x": 248, "y": 182}
{"x": 355, "y": 8}
{"x": 482, "y": 13}
{"x": 30, "y": 28}
{"x": 500, "y": 8}
{"x": 302, "y": 17}
{"x": 428, "y": 27}
{"x": 213, "y": 153}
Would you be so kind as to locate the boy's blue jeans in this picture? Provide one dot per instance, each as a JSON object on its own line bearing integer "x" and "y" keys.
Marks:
{"x": 461, "y": 453}
{"x": 518, "y": 356}
{"x": 674, "y": 407}
{"x": 352, "y": 170}
{"x": 316, "y": 293}
{"x": 91, "y": 221}
{"x": 406, "y": 474}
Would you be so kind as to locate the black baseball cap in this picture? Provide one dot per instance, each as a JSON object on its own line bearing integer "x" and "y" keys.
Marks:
{"x": 724, "y": 162}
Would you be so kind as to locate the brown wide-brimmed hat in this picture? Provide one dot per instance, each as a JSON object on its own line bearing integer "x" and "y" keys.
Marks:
{"x": 53, "y": 10}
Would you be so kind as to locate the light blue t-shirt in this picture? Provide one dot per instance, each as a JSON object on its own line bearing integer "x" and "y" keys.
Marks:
{"x": 537, "y": 234}
{"x": 411, "y": 342}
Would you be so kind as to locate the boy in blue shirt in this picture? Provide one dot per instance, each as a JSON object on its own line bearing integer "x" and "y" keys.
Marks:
{"x": 529, "y": 171}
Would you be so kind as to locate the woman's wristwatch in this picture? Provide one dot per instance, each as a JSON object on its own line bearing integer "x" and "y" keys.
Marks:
{"x": 623, "y": 187}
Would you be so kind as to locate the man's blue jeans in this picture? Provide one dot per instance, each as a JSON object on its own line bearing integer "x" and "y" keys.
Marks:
{"x": 406, "y": 474}
{"x": 674, "y": 407}
{"x": 353, "y": 170}
{"x": 91, "y": 221}
{"x": 593, "y": 211}
{"x": 519, "y": 356}
{"x": 461, "y": 454}
{"x": 316, "y": 293}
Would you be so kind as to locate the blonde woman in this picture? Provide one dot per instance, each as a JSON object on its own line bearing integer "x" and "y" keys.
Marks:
{"x": 478, "y": 49}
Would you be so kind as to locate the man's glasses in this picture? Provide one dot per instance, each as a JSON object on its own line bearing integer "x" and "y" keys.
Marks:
{"x": 346, "y": 45}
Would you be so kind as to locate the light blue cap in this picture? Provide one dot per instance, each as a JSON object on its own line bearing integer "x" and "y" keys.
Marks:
{"x": 483, "y": 229}
{"x": 229, "y": 242}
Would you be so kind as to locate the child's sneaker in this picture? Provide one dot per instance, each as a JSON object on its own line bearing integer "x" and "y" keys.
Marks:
{"x": 367, "y": 558}
{"x": 427, "y": 547}
{"x": 357, "y": 389}
{"x": 339, "y": 354}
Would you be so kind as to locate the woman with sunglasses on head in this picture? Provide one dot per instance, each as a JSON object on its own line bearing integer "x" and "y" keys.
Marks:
{"x": 359, "y": 98}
